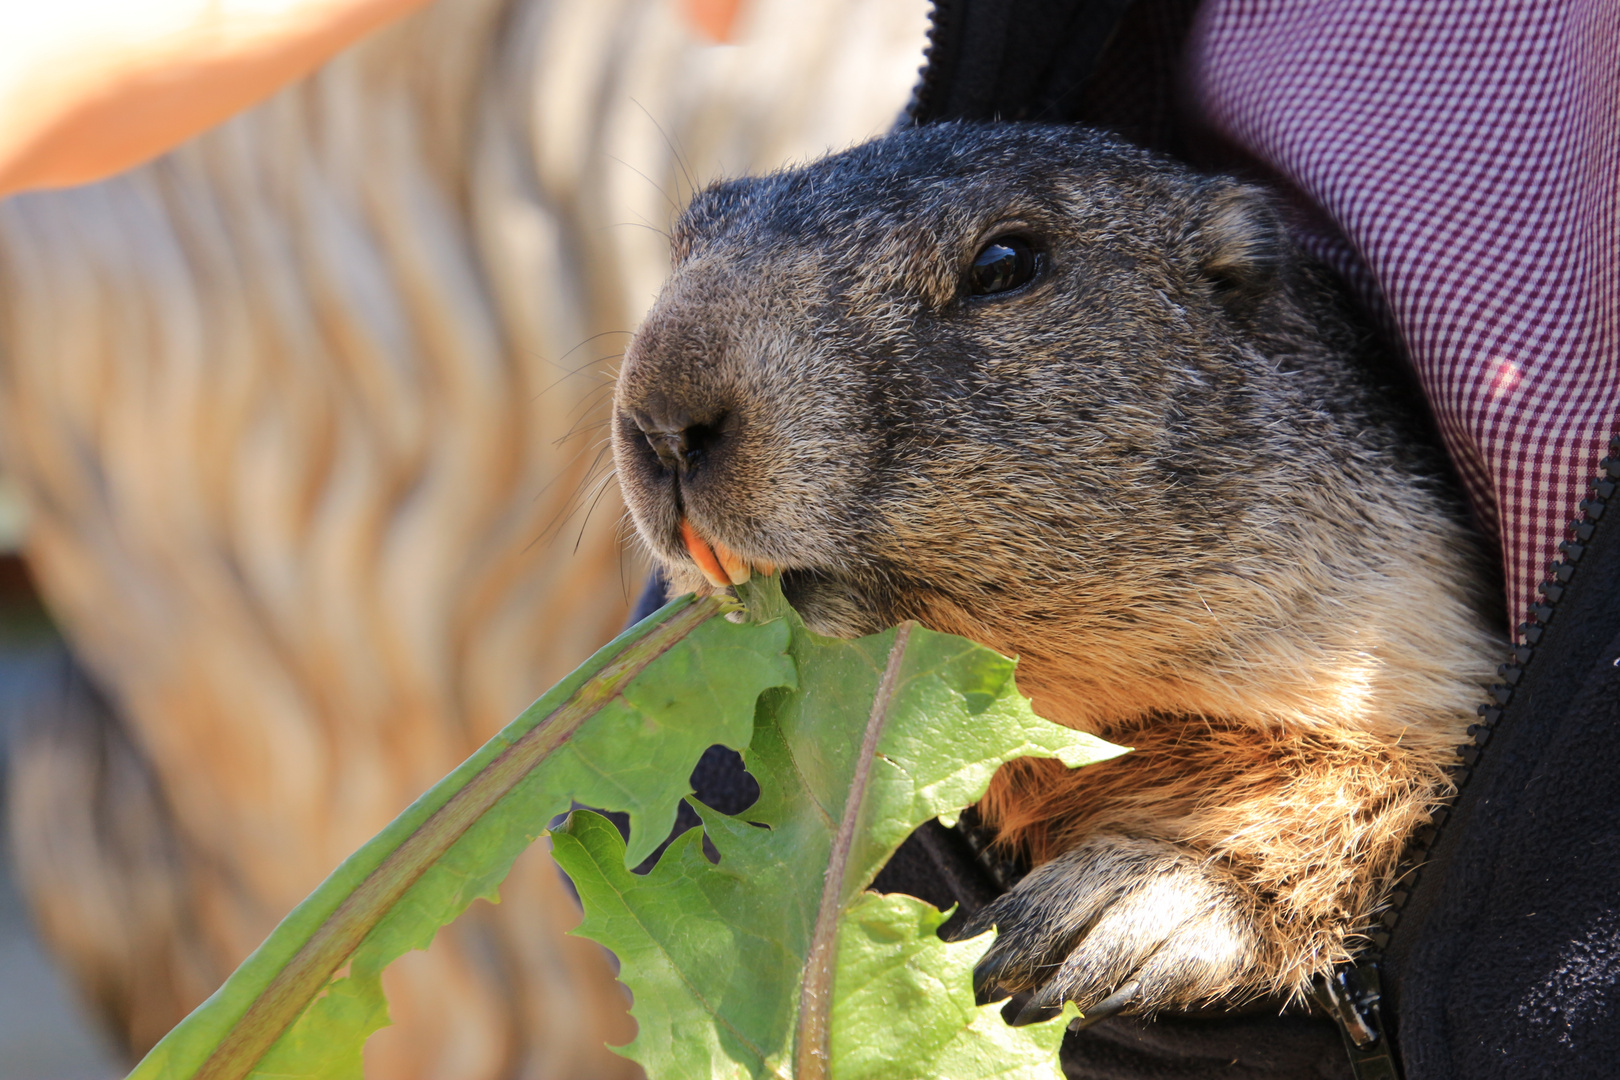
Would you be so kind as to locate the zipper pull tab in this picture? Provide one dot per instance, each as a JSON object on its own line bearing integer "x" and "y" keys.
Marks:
{"x": 1352, "y": 994}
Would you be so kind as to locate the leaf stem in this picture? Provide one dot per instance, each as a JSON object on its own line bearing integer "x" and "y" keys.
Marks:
{"x": 813, "y": 1046}
{"x": 330, "y": 946}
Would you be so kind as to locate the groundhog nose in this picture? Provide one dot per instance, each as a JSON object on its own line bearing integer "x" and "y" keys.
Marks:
{"x": 681, "y": 440}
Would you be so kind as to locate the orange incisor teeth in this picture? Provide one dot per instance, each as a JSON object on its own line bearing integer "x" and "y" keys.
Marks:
{"x": 737, "y": 570}
{"x": 719, "y": 564}
{"x": 703, "y": 555}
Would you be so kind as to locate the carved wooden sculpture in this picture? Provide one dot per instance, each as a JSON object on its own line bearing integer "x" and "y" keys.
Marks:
{"x": 308, "y": 418}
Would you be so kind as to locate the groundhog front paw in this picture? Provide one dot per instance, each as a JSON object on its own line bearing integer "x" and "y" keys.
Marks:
{"x": 1116, "y": 923}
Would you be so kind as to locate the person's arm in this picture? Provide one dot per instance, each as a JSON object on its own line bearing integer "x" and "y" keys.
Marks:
{"x": 91, "y": 87}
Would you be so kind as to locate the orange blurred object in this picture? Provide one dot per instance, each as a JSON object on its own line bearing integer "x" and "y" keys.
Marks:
{"x": 715, "y": 18}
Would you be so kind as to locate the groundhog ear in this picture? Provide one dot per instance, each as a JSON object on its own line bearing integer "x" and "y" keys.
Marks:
{"x": 1241, "y": 243}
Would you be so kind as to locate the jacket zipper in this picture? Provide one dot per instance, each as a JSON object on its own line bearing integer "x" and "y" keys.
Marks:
{"x": 1352, "y": 992}
{"x": 941, "y": 17}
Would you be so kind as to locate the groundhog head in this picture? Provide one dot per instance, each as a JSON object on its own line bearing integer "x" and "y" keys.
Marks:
{"x": 1036, "y": 387}
{"x": 1022, "y": 383}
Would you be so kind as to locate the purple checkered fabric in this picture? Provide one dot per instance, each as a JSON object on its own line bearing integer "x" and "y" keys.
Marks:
{"x": 1467, "y": 153}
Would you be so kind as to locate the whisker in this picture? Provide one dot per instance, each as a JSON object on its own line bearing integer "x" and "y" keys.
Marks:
{"x": 691, "y": 185}
{"x": 602, "y": 490}
{"x": 561, "y": 518}
{"x": 636, "y": 225}
{"x": 567, "y": 467}
{"x": 587, "y": 421}
{"x": 605, "y": 387}
{"x": 624, "y": 575}
{"x": 583, "y": 429}
{"x": 673, "y": 205}
{"x": 582, "y": 370}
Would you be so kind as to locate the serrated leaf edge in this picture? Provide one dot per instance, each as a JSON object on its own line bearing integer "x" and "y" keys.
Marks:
{"x": 298, "y": 982}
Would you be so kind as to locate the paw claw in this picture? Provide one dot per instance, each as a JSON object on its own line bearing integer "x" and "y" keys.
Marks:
{"x": 1112, "y": 1005}
{"x": 1036, "y": 1011}
{"x": 967, "y": 927}
{"x": 1015, "y": 1007}
{"x": 990, "y": 982}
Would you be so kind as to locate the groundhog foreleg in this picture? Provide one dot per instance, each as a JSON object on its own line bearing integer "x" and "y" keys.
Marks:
{"x": 1216, "y": 860}
{"x": 1117, "y": 915}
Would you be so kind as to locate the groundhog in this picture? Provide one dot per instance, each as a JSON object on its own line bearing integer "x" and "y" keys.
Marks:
{"x": 1048, "y": 391}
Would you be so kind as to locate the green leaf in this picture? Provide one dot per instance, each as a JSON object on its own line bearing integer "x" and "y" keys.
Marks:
{"x": 775, "y": 962}
{"x": 785, "y": 964}
{"x": 622, "y": 732}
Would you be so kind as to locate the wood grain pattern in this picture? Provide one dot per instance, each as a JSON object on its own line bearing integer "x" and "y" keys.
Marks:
{"x": 306, "y": 415}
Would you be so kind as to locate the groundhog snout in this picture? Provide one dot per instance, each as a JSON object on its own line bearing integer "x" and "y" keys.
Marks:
{"x": 681, "y": 437}
{"x": 735, "y": 443}
{"x": 675, "y": 416}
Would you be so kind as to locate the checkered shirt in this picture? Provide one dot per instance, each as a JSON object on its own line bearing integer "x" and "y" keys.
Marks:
{"x": 1467, "y": 153}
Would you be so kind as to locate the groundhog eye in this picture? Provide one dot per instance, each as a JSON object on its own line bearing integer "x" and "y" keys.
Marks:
{"x": 1002, "y": 265}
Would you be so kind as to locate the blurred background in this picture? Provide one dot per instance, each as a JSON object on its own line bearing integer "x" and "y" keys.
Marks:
{"x": 304, "y": 491}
